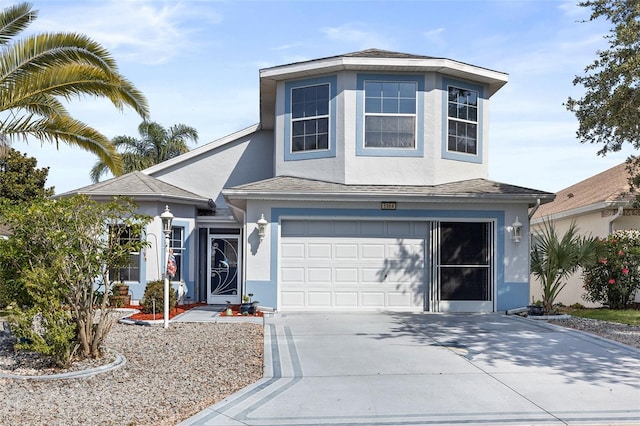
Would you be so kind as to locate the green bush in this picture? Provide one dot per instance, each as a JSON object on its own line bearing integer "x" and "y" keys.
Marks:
{"x": 155, "y": 292}
{"x": 615, "y": 277}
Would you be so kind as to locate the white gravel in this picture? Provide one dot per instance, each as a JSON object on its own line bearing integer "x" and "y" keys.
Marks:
{"x": 170, "y": 375}
{"x": 622, "y": 333}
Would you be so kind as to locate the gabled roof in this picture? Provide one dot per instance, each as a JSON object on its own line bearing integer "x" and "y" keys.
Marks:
{"x": 369, "y": 60}
{"x": 604, "y": 190}
{"x": 287, "y": 187}
{"x": 139, "y": 186}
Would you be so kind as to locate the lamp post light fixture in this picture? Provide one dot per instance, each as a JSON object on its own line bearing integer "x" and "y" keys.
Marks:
{"x": 167, "y": 218}
{"x": 262, "y": 227}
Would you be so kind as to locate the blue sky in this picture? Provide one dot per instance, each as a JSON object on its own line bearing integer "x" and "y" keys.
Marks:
{"x": 197, "y": 62}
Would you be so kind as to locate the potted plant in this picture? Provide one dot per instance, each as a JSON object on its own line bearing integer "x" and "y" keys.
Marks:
{"x": 119, "y": 295}
{"x": 248, "y": 307}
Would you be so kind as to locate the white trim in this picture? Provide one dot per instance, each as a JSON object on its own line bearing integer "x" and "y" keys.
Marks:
{"x": 591, "y": 208}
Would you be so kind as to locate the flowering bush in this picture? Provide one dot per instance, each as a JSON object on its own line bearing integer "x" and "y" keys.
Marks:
{"x": 615, "y": 277}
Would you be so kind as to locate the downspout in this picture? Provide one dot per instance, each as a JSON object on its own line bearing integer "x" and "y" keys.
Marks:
{"x": 242, "y": 212}
{"x": 615, "y": 216}
{"x": 535, "y": 209}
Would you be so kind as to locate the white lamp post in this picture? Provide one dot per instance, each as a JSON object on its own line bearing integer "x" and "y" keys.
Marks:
{"x": 167, "y": 218}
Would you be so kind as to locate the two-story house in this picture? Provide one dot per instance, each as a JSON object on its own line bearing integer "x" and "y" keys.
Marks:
{"x": 364, "y": 187}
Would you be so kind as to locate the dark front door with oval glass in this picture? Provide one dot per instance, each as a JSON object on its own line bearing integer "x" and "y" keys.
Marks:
{"x": 224, "y": 269}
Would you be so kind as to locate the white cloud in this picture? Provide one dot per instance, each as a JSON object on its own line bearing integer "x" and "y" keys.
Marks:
{"x": 144, "y": 31}
{"x": 356, "y": 34}
{"x": 435, "y": 37}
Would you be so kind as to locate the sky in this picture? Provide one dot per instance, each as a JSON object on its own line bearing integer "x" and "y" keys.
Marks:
{"x": 198, "y": 63}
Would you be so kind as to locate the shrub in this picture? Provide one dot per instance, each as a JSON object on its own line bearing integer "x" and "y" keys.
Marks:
{"x": 155, "y": 293}
{"x": 614, "y": 277}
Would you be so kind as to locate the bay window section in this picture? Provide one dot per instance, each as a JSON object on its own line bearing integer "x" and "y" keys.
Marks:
{"x": 310, "y": 118}
{"x": 390, "y": 114}
{"x": 462, "y": 120}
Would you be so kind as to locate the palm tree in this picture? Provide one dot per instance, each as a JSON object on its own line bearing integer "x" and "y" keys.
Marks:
{"x": 156, "y": 145}
{"x": 555, "y": 258}
{"x": 38, "y": 70}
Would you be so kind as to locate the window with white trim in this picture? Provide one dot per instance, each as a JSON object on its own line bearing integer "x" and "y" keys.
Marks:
{"x": 390, "y": 114}
{"x": 462, "y": 120}
{"x": 176, "y": 244}
{"x": 310, "y": 118}
{"x": 126, "y": 234}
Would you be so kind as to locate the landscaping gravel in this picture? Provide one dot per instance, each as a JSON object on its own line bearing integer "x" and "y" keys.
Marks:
{"x": 170, "y": 375}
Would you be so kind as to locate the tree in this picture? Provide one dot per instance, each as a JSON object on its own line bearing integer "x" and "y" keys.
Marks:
{"x": 60, "y": 252}
{"x": 555, "y": 258}
{"x": 608, "y": 113}
{"x": 20, "y": 180}
{"x": 39, "y": 69}
{"x": 156, "y": 145}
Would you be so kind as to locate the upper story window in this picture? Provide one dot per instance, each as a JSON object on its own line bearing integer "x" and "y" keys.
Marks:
{"x": 462, "y": 109}
{"x": 462, "y": 121}
{"x": 390, "y": 114}
{"x": 390, "y": 111}
{"x": 310, "y": 118}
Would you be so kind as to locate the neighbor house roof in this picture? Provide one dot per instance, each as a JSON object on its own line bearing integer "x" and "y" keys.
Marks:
{"x": 604, "y": 190}
{"x": 139, "y": 186}
{"x": 287, "y": 187}
{"x": 369, "y": 60}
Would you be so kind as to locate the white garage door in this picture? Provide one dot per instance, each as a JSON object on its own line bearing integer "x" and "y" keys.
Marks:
{"x": 347, "y": 265}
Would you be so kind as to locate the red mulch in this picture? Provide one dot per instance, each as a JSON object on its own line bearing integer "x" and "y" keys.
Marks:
{"x": 160, "y": 315}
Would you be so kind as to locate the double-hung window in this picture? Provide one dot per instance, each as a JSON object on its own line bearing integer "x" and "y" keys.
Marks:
{"x": 310, "y": 118}
{"x": 462, "y": 123}
{"x": 176, "y": 244}
{"x": 390, "y": 114}
{"x": 131, "y": 271}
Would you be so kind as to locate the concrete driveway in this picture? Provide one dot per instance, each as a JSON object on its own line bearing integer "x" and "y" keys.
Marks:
{"x": 433, "y": 369}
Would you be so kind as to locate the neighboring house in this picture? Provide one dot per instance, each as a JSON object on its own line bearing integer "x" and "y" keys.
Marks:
{"x": 599, "y": 206}
{"x": 369, "y": 174}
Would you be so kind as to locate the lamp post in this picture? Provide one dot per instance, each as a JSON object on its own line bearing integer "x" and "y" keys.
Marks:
{"x": 167, "y": 218}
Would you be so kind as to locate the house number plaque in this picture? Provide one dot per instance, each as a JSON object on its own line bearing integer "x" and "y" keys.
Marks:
{"x": 388, "y": 205}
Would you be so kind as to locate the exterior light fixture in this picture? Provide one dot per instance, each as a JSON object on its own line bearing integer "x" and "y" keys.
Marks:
{"x": 167, "y": 218}
{"x": 262, "y": 227}
{"x": 515, "y": 230}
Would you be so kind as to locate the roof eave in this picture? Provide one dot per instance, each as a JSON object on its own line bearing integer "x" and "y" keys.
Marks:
{"x": 591, "y": 208}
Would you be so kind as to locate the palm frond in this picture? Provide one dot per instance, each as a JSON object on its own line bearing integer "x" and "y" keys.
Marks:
{"x": 14, "y": 19}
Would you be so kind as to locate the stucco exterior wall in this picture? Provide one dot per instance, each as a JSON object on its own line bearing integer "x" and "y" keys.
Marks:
{"x": 350, "y": 167}
{"x": 594, "y": 224}
{"x": 244, "y": 160}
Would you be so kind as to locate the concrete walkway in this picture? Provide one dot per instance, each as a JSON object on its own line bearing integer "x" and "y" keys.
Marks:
{"x": 433, "y": 369}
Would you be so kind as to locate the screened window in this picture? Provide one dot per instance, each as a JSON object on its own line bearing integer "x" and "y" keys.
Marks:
{"x": 130, "y": 272}
{"x": 462, "y": 120}
{"x": 390, "y": 114}
{"x": 176, "y": 243}
{"x": 310, "y": 118}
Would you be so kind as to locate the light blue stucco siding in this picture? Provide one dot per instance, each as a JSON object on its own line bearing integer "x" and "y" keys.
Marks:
{"x": 506, "y": 295}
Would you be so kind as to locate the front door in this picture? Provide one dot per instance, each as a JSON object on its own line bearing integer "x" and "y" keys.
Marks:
{"x": 223, "y": 283}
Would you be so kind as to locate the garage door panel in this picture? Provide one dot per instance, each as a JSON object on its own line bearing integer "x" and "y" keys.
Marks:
{"x": 319, "y": 275}
{"x": 319, "y": 299}
{"x": 345, "y": 299}
{"x": 372, "y": 251}
{"x": 293, "y": 299}
{"x": 346, "y": 251}
{"x": 292, "y": 274}
{"x": 319, "y": 251}
{"x": 293, "y": 250}
{"x": 400, "y": 300}
{"x": 346, "y": 275}
{"x": 372, "y": 299}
